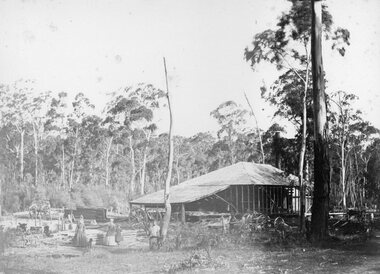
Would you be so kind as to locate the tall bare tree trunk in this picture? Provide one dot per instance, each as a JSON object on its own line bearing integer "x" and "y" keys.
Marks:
{"x": 143, "y": 174}
{"x": 108, "y": 152}
{"x": 143, "y": 171}
{"x": 232, "y": 149}
{"x": 168, "y": 208}
{"x": 71, "y": 180}
{"x": 22, "y": 135}
{"x": 258, "y": 130}
{"x": 303, "y": 149}
{"x": 320, "y": 209}
{"x": 35, "y": 135}
{"x": 63, "y": 164}
{"x": 133, "y": 166}
{"x": 343, "y": 173}
{"x": 277, "y": 149}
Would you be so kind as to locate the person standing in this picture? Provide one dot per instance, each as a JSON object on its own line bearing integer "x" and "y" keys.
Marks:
{"x": 111, "y": 233}
{"x": 118, "y": 236}
{"x": 80, "y": 238}
{"x": 154, "y": 235}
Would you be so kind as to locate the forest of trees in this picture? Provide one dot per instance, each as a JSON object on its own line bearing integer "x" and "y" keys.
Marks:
{"x": 56, "y": 149}
{"x": 61, "y": 150}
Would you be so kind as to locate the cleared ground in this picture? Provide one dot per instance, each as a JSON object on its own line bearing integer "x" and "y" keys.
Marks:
{"x": 134, "y": 256}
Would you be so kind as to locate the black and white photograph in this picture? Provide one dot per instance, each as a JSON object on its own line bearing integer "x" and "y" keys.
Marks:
{"x": 189, "y": 136}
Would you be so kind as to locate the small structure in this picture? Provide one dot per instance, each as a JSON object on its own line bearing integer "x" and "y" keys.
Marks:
{"x": 239, "y": 188}
{"x": 98, "y": 214}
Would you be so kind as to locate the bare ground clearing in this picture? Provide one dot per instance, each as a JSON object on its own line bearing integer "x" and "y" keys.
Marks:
{"x": 137, "y": 258}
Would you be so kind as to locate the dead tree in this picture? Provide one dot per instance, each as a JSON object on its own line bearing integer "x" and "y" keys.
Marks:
{"x": 258, "y": 130}
{"x": 320, "y": 209}
{"x": 168, "y": 208}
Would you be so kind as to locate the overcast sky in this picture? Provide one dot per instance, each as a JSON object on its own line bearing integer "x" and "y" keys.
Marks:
{"x": 96, "y": 47}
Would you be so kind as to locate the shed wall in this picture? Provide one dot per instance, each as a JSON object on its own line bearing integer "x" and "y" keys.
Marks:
{"x": 248, "y": 198}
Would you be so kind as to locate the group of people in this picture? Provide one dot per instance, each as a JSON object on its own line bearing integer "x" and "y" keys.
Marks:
{"x": 112, "y": 237}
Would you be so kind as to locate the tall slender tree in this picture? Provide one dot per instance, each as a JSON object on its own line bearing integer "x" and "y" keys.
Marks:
{"x": 257, "y": 128}
{"x": 288, "y": 48}
{"x": 56, "y": 125}
{"x": 320, "y": 208}
{"x": 168, "y": 208}
{"x": 232, "y": 120}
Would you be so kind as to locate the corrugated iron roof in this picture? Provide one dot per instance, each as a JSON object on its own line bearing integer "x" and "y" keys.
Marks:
{"x": 242, "y": 173}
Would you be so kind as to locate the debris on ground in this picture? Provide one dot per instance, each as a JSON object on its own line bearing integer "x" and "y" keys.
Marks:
{"x": 198, "y": 260}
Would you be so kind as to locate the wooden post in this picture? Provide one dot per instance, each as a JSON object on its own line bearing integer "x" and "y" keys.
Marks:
{"x": 257, "y": 196}
{"x": 242, "y": 198}
{"x": 237, "y": 198}
{"x": 183, "y": 214}
{"x": 279, "y": 198}
{"x": 270, "y": 198}
{"x": 249, "y": 200}
{"x": 231, "y": 197}
{"x": 253, "y": 198}
{"x": 265, "y": 196}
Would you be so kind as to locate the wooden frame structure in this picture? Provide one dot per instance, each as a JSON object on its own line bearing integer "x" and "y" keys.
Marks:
{"x": 240, "y": 188}
{"x": 266, "y": 199}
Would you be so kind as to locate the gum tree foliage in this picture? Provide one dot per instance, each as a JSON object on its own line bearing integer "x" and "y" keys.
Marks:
{"x": 232, "y": 120}
{"x": 55, "y": 127}
{"x": 288, "y": 48}
{"x": 16, "y": 107}
{"x": 130, "y": 116}
{"x": 283, "y": 45}
{"x": 371, "y": 179}
{"x": 81, "y": 108}
{"x": 350, "y": 135}
{"x": 193, "y": 156}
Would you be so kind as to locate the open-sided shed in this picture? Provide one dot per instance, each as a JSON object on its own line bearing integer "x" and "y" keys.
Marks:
{"x": 240, "y": 188}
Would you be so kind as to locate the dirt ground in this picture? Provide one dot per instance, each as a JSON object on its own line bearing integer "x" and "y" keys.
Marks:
{"x": 135, "y": 257}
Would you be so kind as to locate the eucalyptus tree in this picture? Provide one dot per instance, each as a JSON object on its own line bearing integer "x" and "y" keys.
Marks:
{"x": 9, "y": 169}
{"x": 39, "y": 118}
{"x": 342, "y": 120}
{"x": 90, "y": 158}
{"x": 320, "y": 208}
{"x": 150, "y": 98}
{"x": 198, "y": 160}
{"x": 288, "y": 48}
{"x": 82, "y": 107}
{"x": 361, "y": 141}
{"x": 156, "y": 166}
{"x": 56, "y": 127}
{"x": 372, "y": 174}
{"x": 15, "y": 106}
{"x": 131, "y": 112}
{"x": 232, "y": 120}
{"x": 351, "y": 134}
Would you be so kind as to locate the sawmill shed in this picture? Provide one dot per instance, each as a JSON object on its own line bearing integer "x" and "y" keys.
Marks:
{"x": 239, "y": 188}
